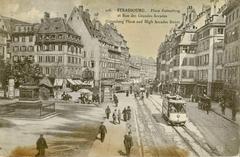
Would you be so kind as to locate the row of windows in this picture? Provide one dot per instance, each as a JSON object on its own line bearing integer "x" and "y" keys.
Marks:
{"x": 202, "y": 60}
{"x": 187, "y": 49}
{"x": 203, "y": 45}
{"x": 219, "y": 58}
{"x": 23, "y": 28}
{"x": 112, "y": 75}
{"x": 50, "y": 59}
{"x": 59, "y": 71}
{"x": 17, "y": 58}
{"x": 232, "y": 55}
{"x": 219, "y": 74}
{"x": 204, "y": 34}
{"x": 188, "y": 62}
{"x": 232, "y": 35}
{"x": 23, "y": 39}
{"x": 59, "y": 47}
{"x": 110, "y": 65}
{"x": 202, "y": 75}
{"x": 232, "y": 16}
{"x": 74, "y": 60}
{"x": 59, "y": 36}
{"x": 232, "y": 75}
{"x": 23, "y": 48}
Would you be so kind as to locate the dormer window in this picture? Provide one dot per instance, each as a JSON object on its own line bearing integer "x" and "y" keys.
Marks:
{"x": 52, "y": 36}
{"x": 60, "y": 36}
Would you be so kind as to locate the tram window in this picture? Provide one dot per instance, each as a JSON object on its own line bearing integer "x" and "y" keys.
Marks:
{"x": 176, "y": 108}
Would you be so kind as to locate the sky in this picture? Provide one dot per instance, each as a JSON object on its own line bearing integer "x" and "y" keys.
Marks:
{"x": 143, "y": 38}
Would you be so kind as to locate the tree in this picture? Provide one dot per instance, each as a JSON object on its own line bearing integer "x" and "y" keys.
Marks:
{"x": 22, "y": 71}
{"x": 5, "y": 73}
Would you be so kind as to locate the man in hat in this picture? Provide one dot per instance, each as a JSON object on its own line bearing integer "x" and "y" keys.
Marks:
{"x": 128, "y": 113}
{"x": 102, "y": 131}
{"x": 41, "y": 146}
{"x": 108, "y": 111}
{"x": 128, "y": 143}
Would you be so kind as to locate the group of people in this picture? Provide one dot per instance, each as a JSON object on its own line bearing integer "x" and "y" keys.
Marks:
{"x": 117, "y": 114}
{"x": 66, "y": 96}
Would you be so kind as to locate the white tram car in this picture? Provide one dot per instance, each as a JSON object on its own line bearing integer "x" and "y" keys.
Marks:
{"x": 173, "y": 110}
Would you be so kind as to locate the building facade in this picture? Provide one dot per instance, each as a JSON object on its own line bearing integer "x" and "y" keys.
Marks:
{"x": 190, "y": 58}
{"x": 209, "y": 53}
{"x": 134, "y": 73}
{"x": 104, "y": 46}
{"x": 52, "y": 44}
{"x": 59, "y": 50}
{"x": 231, "y": 55}
{"x": 147, "y": 67}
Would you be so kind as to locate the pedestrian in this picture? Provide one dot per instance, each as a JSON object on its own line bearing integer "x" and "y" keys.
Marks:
{"x": 128, "y": 113}
{"x": 235, "y": 102}
{"x": 127, "y": 93}
{"x": 102, "y": 131}
{"x": 108, "y": 111}
{"x": 115, "y": 99}
{"x": 128, "y": 143}
{"x": 222, "y": 104}
{"x": 147, "y": 94}
{"x": 41, "y": 146}
{"x": 124, "y": 112}
{"x": 116, "y": 102}
{"x": 207, "y": 107}
{"x": 119, "y": 116}
{"x": 114, "y": 116}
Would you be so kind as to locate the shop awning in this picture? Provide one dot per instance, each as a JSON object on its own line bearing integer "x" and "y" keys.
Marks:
{"x": 58, "y": 82}
{"x": 45, "y": 81}
{"x": 71, "y": 81}
{"x": 78, "y": 82}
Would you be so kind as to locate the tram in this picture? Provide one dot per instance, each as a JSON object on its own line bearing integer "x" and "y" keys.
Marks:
{"x": 173, "y": 110}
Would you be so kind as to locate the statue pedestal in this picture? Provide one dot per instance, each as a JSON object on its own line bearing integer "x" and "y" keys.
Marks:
{"x": 29, "y": 104}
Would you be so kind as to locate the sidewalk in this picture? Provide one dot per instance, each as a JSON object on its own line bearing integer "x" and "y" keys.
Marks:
{"x": 228, "y": 112}
{"x": 113, "y": 144}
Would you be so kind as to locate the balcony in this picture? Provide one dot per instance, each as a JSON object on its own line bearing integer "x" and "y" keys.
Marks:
{"x": 114, "y": 50}
{"x": 57, "y": 40}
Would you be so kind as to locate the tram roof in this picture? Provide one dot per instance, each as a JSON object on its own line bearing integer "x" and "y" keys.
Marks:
{"x": 176, "y": 101}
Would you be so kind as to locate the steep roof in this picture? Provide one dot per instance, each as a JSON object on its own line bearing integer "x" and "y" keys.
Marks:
{"x": 55, "y": 25}
{"x": 11, "y": 22}
{"x": 88, "y": 23}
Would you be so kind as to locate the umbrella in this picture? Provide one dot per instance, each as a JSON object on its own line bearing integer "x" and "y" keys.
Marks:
{"x": 84, "y": 91}
{"x": 142, "y": 89}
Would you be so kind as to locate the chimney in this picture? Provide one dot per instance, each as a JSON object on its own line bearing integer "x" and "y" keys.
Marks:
{"x": 183, "y": 18}
{"x": 80, "y": 7}
{"x": 112, "y": 25}
{"x": 96, "y": 16}
{"x": 46, "y": 15}
{"x": 65, "y": 17}
{"x": 97, "y": 23}
{"x": 213, "y": 6}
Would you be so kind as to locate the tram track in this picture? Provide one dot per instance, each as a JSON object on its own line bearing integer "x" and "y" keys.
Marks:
{"x": 149, "y": 132}
{"x": 189, "y": 138}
